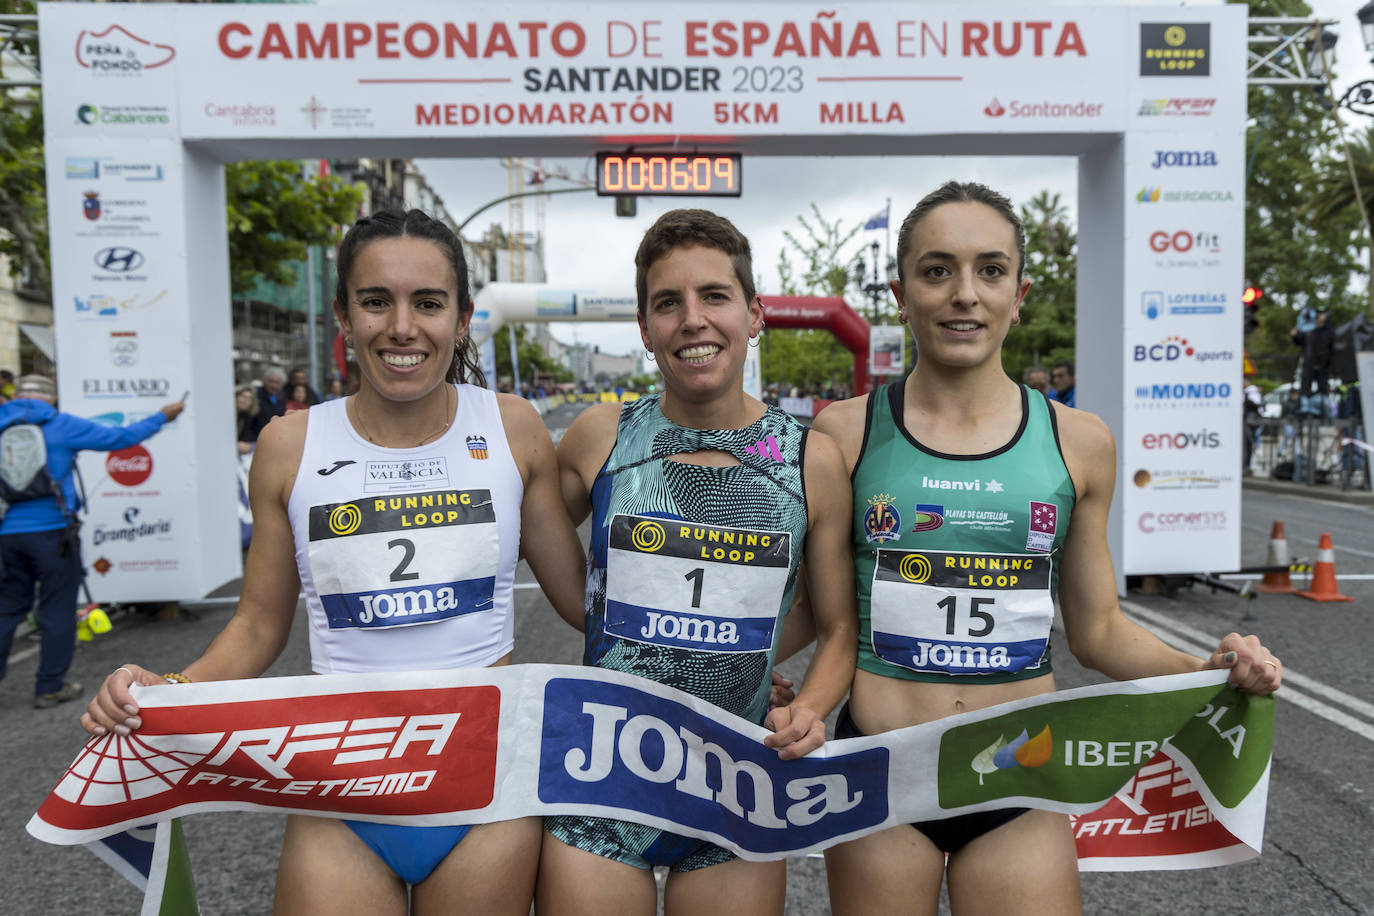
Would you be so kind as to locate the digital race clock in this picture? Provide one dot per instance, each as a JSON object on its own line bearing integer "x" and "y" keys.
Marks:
{"x": 641, "y": 174}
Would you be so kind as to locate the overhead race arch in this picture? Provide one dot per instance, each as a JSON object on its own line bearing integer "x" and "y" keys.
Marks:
{"x": 143, "y": 104}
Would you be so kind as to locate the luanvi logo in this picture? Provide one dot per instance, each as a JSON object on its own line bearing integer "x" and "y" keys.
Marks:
{"x": 325, "y": 472}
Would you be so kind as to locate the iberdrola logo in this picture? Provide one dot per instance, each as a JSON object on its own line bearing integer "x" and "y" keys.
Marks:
{"x": 1021, "y": 751}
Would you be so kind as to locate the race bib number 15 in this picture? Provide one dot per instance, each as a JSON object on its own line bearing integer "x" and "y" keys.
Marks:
{"x": 688, "y": 585}
{"x": 961, "y": 613}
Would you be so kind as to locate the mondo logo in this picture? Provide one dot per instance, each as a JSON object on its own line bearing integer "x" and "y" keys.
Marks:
{"x": 130, "y": 467}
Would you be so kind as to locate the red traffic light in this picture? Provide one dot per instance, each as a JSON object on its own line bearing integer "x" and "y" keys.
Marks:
{"x": 1251, "y": 295}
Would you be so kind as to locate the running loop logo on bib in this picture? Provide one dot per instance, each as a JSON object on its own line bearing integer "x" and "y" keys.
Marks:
{"x": 708, "y": 588}
{"x": 961, "y": 613}
{"x": 437, "y": 551}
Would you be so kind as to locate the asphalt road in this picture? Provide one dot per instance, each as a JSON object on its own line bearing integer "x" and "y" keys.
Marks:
{"x": 1321, "y": 801}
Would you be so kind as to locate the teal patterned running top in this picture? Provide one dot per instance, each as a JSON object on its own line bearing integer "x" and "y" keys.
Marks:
{"x": 691, "y": 569}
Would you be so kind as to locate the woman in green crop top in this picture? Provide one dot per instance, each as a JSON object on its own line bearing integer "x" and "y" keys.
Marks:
{"x": 976, "y": 491}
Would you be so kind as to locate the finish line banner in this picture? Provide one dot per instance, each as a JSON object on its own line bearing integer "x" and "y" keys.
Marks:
{"x": 1168, "y": 772}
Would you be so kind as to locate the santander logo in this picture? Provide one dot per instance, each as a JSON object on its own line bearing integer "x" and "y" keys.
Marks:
{"x": 129, "y": 467}
{"x": 994, "y": 109}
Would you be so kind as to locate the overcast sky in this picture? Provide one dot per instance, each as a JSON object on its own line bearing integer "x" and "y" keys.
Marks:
{"x": 586, "y": 245}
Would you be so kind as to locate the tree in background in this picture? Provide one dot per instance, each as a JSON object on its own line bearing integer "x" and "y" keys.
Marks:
{"x": 1046, "y": 332}
{"x": 533, "y": 361}
{"x": 1336, "y": 198}
{"x": 23, "y": 191}
{"x": 1298, "y": 258}
{"x": 275, "y": 212}
{"x": 802, "y": 357}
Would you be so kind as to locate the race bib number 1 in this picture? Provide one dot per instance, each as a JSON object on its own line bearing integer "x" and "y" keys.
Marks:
{"x": 404, "y": 559}
{"x": 694, "y": 586}
{"x": 961, "y": 613}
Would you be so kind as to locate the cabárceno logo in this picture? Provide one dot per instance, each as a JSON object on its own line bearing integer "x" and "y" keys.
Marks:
{"x": 606, "y": 741}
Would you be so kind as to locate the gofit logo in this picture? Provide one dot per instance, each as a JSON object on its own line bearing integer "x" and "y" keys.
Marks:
{"x": 607, "y": 741}
{"x": 307, "y": 752}
{"x": 119, "y": 52}
{"x": 1182, "y": 242}
{"x": 130, "y": 467}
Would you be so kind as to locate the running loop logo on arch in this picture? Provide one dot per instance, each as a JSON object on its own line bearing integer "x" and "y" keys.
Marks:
{"x": 607, "y": 741}
{"x": 301, "y": 753}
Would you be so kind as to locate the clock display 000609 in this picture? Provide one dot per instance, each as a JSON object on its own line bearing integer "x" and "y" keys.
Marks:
{"x": 642, "y": 174}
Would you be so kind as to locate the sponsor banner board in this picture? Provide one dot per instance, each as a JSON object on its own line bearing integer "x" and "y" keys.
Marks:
{"x": 1168, "y": 772}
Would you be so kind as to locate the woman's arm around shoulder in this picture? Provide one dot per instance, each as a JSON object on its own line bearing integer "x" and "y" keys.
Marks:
{"x": 582, "y": 452}
{"x": 843, "y": 421}
{"x": 829, "y": 565}
{"x": 548, "y": 540}
{"x": 1099, "y": 635}
{"x": 258, "y": 631}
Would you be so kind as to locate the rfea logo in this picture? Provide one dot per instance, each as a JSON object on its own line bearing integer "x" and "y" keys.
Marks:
{"x": 119, "y": 52}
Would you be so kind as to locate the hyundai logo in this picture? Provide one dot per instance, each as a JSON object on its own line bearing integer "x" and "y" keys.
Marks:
{"x": 118, "y": 259}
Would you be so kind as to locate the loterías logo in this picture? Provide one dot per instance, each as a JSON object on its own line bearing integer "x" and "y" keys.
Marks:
{"x": 299, "y": 752}
{"x": 119, "y": 52}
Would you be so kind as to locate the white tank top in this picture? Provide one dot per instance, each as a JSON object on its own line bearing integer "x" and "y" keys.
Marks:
{"x": 407, "y": 555}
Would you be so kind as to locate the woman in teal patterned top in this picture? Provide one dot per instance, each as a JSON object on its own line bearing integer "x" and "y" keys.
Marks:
{"x": 976, "y": 504}
{"x": 704, "y": 503}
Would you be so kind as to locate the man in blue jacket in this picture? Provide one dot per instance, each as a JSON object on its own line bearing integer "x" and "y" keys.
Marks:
{"x": 38, "y": 541}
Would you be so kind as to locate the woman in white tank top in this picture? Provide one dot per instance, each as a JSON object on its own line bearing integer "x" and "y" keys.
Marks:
{"x": 334, "y": 492}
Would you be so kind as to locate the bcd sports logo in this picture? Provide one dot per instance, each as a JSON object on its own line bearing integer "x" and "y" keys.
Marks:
{"x": 605, "y": 743}
{"x": 119, "y": 52}
{"x": 302, "y": 752}
{"x": 1172, "y": 349}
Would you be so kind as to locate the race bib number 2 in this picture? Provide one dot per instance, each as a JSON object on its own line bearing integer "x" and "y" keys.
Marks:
{"x": 404, "y": 559}
{"x": 946, "y": 612}
{"x": 688, "y": 585}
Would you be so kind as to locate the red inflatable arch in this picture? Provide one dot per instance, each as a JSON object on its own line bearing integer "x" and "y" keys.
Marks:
{"x": 826, "y": 313}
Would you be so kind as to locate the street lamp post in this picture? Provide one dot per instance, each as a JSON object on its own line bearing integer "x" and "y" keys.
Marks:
{"x": 876, "y": 288}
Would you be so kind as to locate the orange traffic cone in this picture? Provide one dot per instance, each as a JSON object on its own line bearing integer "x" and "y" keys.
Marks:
{"x": 1323, "y": 587}
{"x": 1277, "y": 582}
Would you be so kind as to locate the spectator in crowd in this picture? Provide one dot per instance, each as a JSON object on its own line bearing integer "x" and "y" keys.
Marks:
{"x": 1317, "y": 344}
{"x": 1038, "y": 378}
{"x": 298, "y": 397}
{"x": 1061, "y": 377}
{"x": 297, "y": 377}
{"x": 1251, "y": 408}
{"x": 7, "y": 384}
{"x": 1291, "y": 412}
{"x": 246, "y": 409}
{"x": 335, "y": 389}
{"x": 271, "y": 397}
{"x": 38, "y": 542}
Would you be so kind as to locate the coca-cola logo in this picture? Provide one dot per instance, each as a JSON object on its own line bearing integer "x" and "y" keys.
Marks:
{"x": 129, "y": 467}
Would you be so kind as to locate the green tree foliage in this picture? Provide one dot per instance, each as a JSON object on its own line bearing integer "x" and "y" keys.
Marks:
{"x": 533, "y": 361}
{"x": 23, "y": 190}
{"x": 1297, "y": 258}
{"x": 802, "y": 357}
{"x": 1046, "y": 332}
{"x": 1336, "y": 195}
{"x": 274, "y": 212}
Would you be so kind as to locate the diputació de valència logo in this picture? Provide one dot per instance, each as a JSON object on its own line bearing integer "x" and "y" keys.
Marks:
{"x": 1080, "y": 750}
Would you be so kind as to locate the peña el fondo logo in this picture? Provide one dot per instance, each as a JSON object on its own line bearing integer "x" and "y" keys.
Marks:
{"x": 604, "y": 741}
